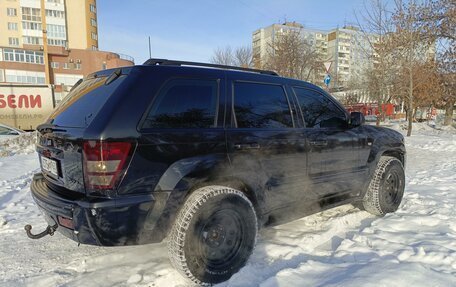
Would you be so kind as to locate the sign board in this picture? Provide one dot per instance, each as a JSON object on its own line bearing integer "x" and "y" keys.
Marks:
{"x": 25, "y": 106}
{"x": 327, "y": 79}
{"x": 327, "y": 66}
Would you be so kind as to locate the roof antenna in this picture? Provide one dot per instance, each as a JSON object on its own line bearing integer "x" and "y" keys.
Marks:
{"x": 150, "y": 50}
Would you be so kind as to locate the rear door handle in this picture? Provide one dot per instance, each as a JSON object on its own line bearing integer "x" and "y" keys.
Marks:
{"x": 318, "y": 143}
{"x": 247, "y": 146}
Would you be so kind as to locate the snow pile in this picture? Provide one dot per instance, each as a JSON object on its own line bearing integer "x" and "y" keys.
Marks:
{"x": 22, "y": 144}
{"x": 416, "y": 246}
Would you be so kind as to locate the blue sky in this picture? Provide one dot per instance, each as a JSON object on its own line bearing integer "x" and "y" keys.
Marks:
{"x": 191, "y": 30}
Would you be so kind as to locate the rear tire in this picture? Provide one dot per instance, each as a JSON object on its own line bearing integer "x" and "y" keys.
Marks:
{"x": 213, "y": 235}
{"x": 386, "y": 189}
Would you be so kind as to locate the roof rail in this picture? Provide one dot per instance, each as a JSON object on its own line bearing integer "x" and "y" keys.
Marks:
{"x": 166, "y": 62}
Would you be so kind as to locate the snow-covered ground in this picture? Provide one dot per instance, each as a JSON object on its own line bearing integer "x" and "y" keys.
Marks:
{"x": 416, "y": 246}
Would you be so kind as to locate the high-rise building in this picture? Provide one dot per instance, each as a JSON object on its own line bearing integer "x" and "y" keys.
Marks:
{"x": 350, "y": 53}
{"x": 82, "y": 24}
{"x": 346, "y": 48}
{"x": 264, "y": 38}
{"x": 51, "y": 42}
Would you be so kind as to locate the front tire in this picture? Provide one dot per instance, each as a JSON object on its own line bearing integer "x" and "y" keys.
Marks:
{"x": 386, "y": 189}
{"x": 213, "y": 235}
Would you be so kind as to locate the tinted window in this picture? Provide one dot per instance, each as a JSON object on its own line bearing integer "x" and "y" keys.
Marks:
{"x": 319, "y": 111}
{"x": 261, "y": 106}
{"x": 185, "y": 103}
{"x": 83, "y": 103}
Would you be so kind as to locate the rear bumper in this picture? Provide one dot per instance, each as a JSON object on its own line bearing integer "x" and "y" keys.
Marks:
{"x": 108, "y": 222}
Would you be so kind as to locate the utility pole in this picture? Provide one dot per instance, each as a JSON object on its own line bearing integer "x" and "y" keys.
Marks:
{"x": 45, "y": 44}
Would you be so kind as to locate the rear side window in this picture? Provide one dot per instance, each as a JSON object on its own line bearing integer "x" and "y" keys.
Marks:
{"x": 83, "y": 103}
{"x": 319, "y": 111}
{"x": 185, "y": 103}
{"x": 261, "y": 106}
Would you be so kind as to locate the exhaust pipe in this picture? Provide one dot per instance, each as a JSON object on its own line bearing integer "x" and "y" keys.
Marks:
{"x": 48, "y": 231}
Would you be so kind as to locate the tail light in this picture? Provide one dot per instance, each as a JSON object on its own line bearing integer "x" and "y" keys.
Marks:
{"x": 104, "y": 163}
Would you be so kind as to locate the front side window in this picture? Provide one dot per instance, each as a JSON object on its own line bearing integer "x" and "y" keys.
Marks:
{"x": 319, "y": 111}
{"x": 185, "y": 103}
{"x": 261, "y": 106}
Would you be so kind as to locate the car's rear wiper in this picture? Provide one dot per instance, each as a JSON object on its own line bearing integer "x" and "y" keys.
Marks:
{"x": 116, "y": 74}
{"x": 48, "y": 128}
{"x": 77, "y": 84}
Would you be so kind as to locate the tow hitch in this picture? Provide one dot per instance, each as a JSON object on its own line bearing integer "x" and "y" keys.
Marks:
{"x": 48, "y": 231}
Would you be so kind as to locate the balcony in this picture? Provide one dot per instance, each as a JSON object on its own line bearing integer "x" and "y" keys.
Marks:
{"x": 126, "y": 57}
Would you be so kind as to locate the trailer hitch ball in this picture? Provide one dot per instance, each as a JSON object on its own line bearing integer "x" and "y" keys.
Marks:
{"x": 48, "y": 231}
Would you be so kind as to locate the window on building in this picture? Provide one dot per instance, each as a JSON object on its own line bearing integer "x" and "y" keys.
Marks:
{"x": 261, "y": 106}
{"x": 56, "y": 31}
{"x": 11, "y": 12}
{"x": 56, "y": 42}
{"x": 12, "y": 26}
{"x": 66, "y": 66}
{"x": 93, "y": 22}
{"x": 94, "y": 48}
{"x": 55, "y": 13}
{"x": 31, "y": 14}
{"x": 31, "y": 26}
{"x": 33, "y": 57}
{"x": 104, "y": 66}
{"x": 319, "y": 111}
{"x": 185, "y": 103}
{"x": 27, "y": 77}
{"x": 55, "y": 65}
{"x": 77, "y": 66}
{"x": 93, "y": 9}
{"x": 13, "y": 41}
{"x": 8, "y": 55}
{"x": 67, "y": 79}
{"x": 32, "y": 40}
{"x": 55, "y": 1}
{"x": 94, "y": 36}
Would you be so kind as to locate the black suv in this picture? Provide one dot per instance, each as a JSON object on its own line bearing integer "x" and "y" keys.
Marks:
{"x": 204, "y": 155}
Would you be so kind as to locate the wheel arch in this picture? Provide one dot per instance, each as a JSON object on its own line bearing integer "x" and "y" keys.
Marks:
{"x": 399, "y": 154}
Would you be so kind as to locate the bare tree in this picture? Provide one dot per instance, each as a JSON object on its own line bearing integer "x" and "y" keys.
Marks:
{"x": 223, "y": 56}
{"x": 411, "y": 47}
{"x": 243, "y": 57}
{"x": 292, "y": 56}
{"x": 376, "y": 24}
{"x": 439, "y": 20}
{"x": 447, "y": 69}
{"x": 240, "y": 57}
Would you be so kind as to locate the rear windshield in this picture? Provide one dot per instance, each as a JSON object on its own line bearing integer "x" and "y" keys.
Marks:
{"x": 83, "y": 103}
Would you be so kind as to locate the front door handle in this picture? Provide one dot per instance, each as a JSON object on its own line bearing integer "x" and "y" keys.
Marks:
{"x": 247, "y": 146}
{"x": 318, "y": 143}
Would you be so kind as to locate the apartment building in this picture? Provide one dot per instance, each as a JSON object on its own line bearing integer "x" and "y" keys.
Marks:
{"x": 51, "y": 42}
{"x": 264, "y": 38}
{"x": 350, "y": 53}
{"x": 346, "y": 48}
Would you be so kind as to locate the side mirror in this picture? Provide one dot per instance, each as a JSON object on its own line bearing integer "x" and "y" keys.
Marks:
{"x": 357, "y": 119}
